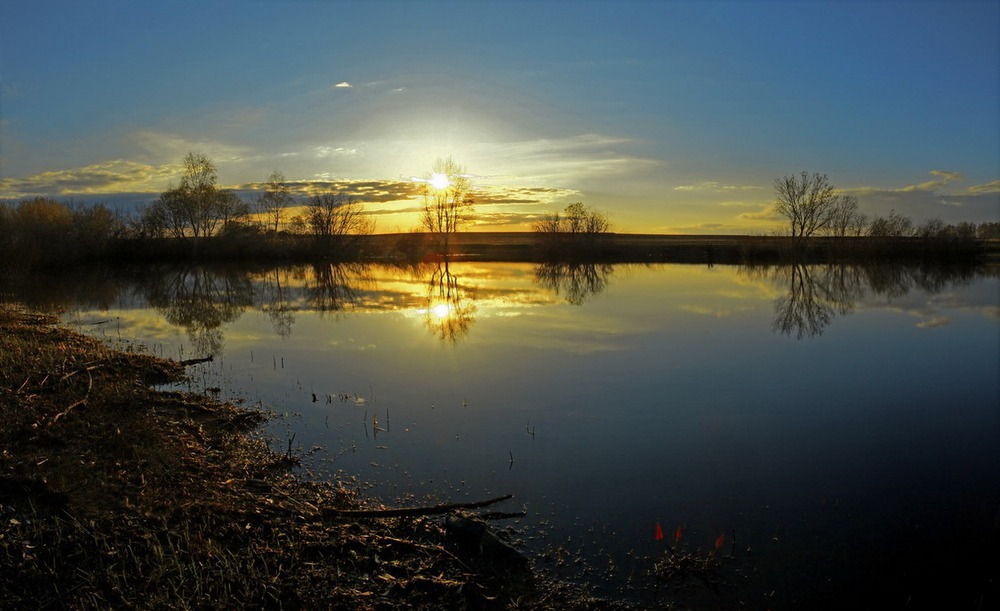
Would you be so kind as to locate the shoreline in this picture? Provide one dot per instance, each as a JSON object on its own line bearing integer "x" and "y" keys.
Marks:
{"x": 117, "y": 494}
{"x": 563, "y": 248}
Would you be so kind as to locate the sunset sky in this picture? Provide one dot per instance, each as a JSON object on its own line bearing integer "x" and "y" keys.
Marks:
{"x": 673, "y": 117}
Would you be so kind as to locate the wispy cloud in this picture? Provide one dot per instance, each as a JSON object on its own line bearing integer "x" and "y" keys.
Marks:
{"x": 574, "y": 160}
{"x": 165, "y": 147}
{"x": 343, "y": 85}
{"x": 717, "y": 187}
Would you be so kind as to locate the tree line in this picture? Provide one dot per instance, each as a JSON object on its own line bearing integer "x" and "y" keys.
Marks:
{"x": 198, "y": 211}
{"x": 812, "y": 206}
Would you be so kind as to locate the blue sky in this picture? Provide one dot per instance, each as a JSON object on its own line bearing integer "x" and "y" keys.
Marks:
{"x": 670, "y": 116}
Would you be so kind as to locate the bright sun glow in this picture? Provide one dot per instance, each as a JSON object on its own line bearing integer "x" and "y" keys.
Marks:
{"x": 439, "y": 181}
{"x": 440, "y": 310}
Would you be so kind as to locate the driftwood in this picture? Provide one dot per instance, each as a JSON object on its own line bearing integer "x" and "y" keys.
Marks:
{"x": 410, "y": 511}
{"x": 189, "y": 362}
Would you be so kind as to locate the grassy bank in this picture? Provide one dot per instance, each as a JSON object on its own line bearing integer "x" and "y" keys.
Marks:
{"x": 114, "y": 494}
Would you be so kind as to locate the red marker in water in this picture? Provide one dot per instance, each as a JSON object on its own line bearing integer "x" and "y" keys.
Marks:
{"x": 659, "y": 532}
{"x": 677, "y": 535}
{"x": 720, "y": 540}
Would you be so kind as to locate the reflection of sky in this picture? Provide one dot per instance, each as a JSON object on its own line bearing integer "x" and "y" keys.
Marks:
{"x": 664, "y": 397}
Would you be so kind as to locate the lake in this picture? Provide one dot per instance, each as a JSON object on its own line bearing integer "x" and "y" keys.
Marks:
{"x": 837, "y": 426}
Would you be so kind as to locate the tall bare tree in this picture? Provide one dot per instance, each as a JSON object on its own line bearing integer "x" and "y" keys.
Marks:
{"x": 448, "y": 200}
{"x": 808, "y": 201}
{"x": 275, "y": 200}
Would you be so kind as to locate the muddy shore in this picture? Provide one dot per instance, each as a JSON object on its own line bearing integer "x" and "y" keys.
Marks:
{"x": 116, "y": 495}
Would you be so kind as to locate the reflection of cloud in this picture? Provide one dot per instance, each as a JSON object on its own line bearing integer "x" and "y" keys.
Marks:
{"x": 937, "y": 321}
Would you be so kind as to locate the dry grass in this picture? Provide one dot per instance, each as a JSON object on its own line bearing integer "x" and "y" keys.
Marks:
{"x": 115, "y": 495}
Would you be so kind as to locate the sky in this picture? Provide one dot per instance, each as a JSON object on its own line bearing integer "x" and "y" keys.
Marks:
{"x": 669, "y": 116}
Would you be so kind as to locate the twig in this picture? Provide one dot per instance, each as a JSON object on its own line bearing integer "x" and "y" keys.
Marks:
{"x": 410, "y": 511}
{"x": 68, "y": 410}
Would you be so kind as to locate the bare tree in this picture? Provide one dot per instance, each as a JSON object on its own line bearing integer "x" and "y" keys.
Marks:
{"x": 893, "y": 225}
{"x": 807, "y": 201}
{"x": 334, "y": 218}
{"x": 194, "y": 209}
{"x": 845, "y": 218}
{"x": 447, "y": 200}
{"x": 276, "y": 198}
{"x": 576, "y": 218}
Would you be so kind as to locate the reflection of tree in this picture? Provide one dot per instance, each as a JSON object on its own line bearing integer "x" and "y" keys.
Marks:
{"x": 334, "y": 286}
{"x": 814, "y": 298}
{"x": 275, "y": 301}
{"x": 578, "y": 281}
{"x": 201, "y": 301}
{"x": 449, "y": 313}
{"x": 817, "y": 294}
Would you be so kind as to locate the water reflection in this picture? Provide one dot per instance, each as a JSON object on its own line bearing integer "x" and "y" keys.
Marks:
{"x": 577, "y": 281}
{"x": 448, "y": 298}
{"x": 817, "y": 294}
{"x": 451, "y": 307}
{"x": 277, "y": 299}
{"x": 201, "y": 302}
{"x": 333, "y": 287}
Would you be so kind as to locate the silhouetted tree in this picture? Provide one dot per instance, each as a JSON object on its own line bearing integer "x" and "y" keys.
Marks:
{"x": 277, "y": 197}
{"x": 448, "y": 200}
{"x": 575, "y": 219}
{"x": 336, "y": 219}
{"x": 845, "y": 218}
{"x": 893, "y": 225}
{"x": 194, "y": 209}
{"x": 809, "y": 202}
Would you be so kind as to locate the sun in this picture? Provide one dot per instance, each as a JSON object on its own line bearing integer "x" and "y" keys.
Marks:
{"x": 441, "y": 310}
{"x": 439, "y": 181}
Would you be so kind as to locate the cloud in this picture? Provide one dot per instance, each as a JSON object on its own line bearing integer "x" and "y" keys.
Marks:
{"x": 562, "y": 161}
{"x": 716, "y": 187}
{"x": 497, "y": 196}
{"x": 111, "y": 177}
{"x": 766, "y": 213}
{"x": 330, "y": 151}
{"x": 343, "y": 85}
{"x": 933, "y": 199}
{"x": 171, "y": 148}
{"x": 371, "y": 191}
{"x": 989, "y": 188}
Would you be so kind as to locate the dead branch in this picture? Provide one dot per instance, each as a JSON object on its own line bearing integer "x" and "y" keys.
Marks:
{"x": 189, "y": 362}
{"x": 410, "y": 511}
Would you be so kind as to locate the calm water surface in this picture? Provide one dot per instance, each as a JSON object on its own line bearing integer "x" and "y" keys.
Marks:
{"x": 838, "y": 425}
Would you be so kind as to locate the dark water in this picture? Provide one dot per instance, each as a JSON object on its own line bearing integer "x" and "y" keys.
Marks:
{"x": 839, "y": 426}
